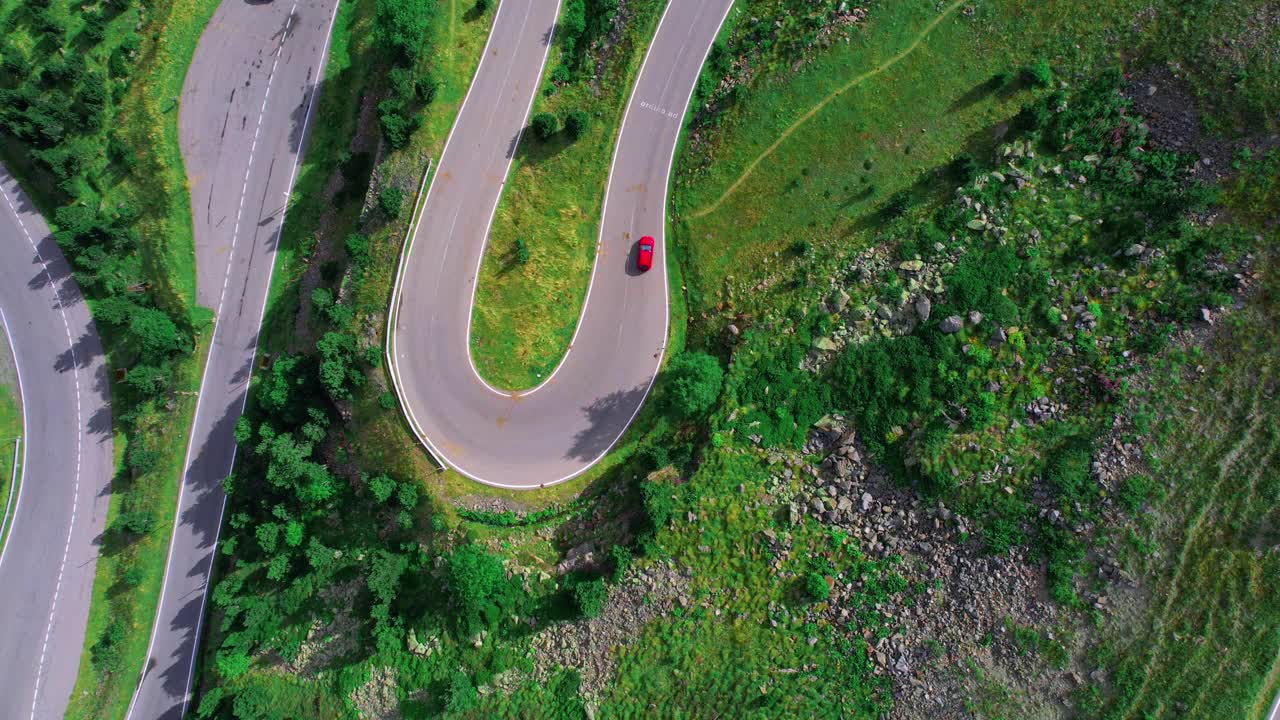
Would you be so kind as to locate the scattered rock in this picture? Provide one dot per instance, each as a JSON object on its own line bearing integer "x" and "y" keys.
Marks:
{"x": 923, "y": 308}
{"x": 951, "y": 324}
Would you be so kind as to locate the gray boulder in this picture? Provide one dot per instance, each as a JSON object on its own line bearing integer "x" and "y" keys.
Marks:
{"x": 923, "y": 307}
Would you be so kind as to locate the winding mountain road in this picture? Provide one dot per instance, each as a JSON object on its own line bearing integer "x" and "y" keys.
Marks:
{"x": 47, "y": 565}
{"x": 246, "y": 107}
{"x": 559, "y": 429}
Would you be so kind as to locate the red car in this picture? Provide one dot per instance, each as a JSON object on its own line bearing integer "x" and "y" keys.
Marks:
{"x": 644, "y": 260}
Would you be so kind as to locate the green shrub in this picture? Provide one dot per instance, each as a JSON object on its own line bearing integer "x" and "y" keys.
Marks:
{"x": 135, "y": 522}
{"x": 357, "y": 246}
{"x": 694, "y": 382}
{"x": 521, "y": 251}
{"x": 382, "y": 488}
{"x": 479, "y": 584}
{"x": 659, "y": 503}
{"x": 620, "y": 557}
{"x": 897, "y": 203}
{"x": 390, "y": 200}
{"x": 816, "y": 586}
{"x": 462, "y": 693}
{"x": 591, "y": 596}
{"x": 964, "y": 168}
{"x": 1068, "y": 475}
{"x": 1038, "y": 74}
{"x": 544, "y": 125}
{"x": 577, "y": 123}
{"x": 1135, "y": 491}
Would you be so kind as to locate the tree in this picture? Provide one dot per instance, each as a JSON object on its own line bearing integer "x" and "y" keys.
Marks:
{"x": 572, "y": 24}
{"x": 544, "y": 125}
{"x": 382, "y": 487}
{"x": 154, "y": 334}
{"x": 135, "y": 522}
{"x": 577, "y": 123}
{"x": 402, "y": 25}
{"x": 695, "y": 381}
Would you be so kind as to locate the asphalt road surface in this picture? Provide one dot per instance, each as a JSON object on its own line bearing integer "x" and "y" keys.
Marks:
{"x": 559, "y": 429}
{"x": 47, "y": 566}
{"x": 246, "y": 107}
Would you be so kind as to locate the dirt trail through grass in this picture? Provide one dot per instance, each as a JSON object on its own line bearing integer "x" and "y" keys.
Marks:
{"x": 825, "y": 102}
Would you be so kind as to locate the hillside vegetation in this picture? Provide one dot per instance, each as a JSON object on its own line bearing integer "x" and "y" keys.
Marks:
{"x": 954, "y": 277}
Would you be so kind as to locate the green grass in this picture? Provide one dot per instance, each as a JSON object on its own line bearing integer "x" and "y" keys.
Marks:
{"x": 764, "y": 650}
{"x": 898, "y": 114}
{"x": 525, "y": 314}
{"x": 10, "y": 434}
{"x": 904, "y": 96}
{"x": 1209, "y": 646}
{"x": 328, "y": 145}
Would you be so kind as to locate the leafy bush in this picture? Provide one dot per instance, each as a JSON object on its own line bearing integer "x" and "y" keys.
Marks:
{"x": 479, "y": 585}
{"x": 544, "y": 125}
{"x": 591, "y": 596}
{"x": 390, "y": 200}
{"x": 135, "y": 522}
{"x": 694, "y": 381}
{"x": 1038, "y": 74}
{"x": 816, "y": 586}
{"x": 577, "y": 123}
{"x": 521, "y": 251}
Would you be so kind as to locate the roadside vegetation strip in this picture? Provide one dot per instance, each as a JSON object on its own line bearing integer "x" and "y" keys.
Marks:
{"x": 12, "y": 422}
{"x": 542, "y": 242}
{"x": 856, "y": 81}
{"x": 144, "y": 173}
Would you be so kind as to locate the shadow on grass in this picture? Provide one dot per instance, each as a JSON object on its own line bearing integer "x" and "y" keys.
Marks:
{"x": 533, "y": 149}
